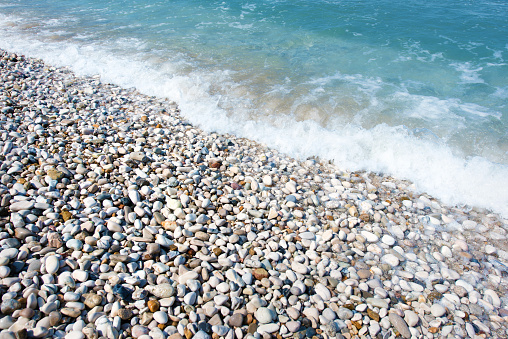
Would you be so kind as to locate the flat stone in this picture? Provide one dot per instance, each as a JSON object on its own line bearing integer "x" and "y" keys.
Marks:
{"x": 400, "y": 325}
{"x": 161, "y": 291}
{"x": 22, "y": 205}
{"x": 299, "y": 268}
{"x": 377, "y": 302}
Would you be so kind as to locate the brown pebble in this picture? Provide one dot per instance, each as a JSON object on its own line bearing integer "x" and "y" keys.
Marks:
{"x": 124, "y": 313}
{"x": 249, "y": 318}
{"x": 433, "y": 330}
{"x": 260, "y": 273}
{"x": 356, "y": 324}
{"x": 27, "y": 313}
{"x": 153, "y": 305}
{"x": 253, "y": 327}
{"x": 372, "y": 315}
{"x": 217, "y": 251}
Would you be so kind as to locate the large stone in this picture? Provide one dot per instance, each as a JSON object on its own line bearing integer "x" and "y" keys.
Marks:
{"x": 400, "y": 325}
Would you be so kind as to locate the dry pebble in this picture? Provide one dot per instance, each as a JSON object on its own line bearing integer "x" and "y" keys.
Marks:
{"x": 119, "y": 219}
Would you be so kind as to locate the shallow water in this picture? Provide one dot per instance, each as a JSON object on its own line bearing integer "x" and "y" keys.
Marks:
{"x": 413, "y": 89}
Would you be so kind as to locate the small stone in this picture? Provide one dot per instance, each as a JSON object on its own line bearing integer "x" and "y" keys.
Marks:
{"x": 373, "y": 315}
{"x": 52, "y": 264}
{"x": 437, "y": 310}
{"x": 390, "y": 259}
{"x": 138, "y": 331}
{"x": 299, "y": 268}
{"x": 345, "y": 313}
{"x": 161, "y": 317}
{"x": 264, "y": 315}
{"x": 236, "y": 320}
{"x": 411, "y": 318}
{"x": 293, "y": 326}
{"x": 323, "y": 292}
{"x": 153, "y": 305}
{"x": 260, "y": 273}
{"x": 92, "y": 300}
{"x": 162, "y": 290}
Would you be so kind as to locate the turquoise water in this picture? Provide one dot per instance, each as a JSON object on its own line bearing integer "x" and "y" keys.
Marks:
{"x": 414, "y": 89}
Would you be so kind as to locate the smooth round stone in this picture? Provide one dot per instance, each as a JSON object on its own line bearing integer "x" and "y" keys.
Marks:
{"x": 40, "y": 332}
{"x": 236, "y": 320}
{"x": 376, "y": 302}
{"x": 345, "y": 313}
{"x": 6, "y": 322}
{"x": 264, "y": 315}
{"x": 27, "y": 313}
{"x": 323, "y": 292}
{"x": 293, "y": 326}
{"x": 80, "y": 275}
{"x": 400, "y": 325}
{"x": 4, "y": 271}
{"x": 329, "y": 314}
{"x": 492, "y": 297}
{"x": 411, "y": 318}
{"x": 74, "y": 244}
{"x": 223, "y": 287}
{"x": 9, "y": 253}
{"x": 190, "y": 298}
{"x": 267, "y": 180}
{"x": 299, "y": 268}
{"x": 437, "y": 310}
{"x": 188, "y": 276}
{"x": 10, "y": 305}
{"x": 388, "y": 240}
{"x": 390, "y": 259}
{"x": 161, "y": 317}
{"x": 52, "y": 264}
{"x": 370, "y": 237}
{"x": 4, "y": 261}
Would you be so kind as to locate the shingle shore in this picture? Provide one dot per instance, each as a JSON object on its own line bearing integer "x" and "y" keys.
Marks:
{"x": 118, "y": 219}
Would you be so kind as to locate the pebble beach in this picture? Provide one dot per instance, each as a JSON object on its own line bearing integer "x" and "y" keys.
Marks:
{"x": 119, "y": 219}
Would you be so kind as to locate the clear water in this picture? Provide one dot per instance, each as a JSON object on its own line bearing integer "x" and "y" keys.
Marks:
{"x": 414, "y": 89}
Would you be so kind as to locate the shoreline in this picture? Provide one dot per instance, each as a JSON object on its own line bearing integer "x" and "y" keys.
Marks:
{"x": 108, "y": 193}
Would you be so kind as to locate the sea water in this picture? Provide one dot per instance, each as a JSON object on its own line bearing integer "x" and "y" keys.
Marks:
{"x": 413, "y": 89}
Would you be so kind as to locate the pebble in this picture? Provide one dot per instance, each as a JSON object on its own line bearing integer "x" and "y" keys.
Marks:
{"x": 400, "y": 325}
{"x": 437, "y": 310}
{"x": 264, "y": 315}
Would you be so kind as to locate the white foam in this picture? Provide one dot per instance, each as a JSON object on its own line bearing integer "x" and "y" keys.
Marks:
{"x": 433, "y": 167}
{"x": 469, "y": 74}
